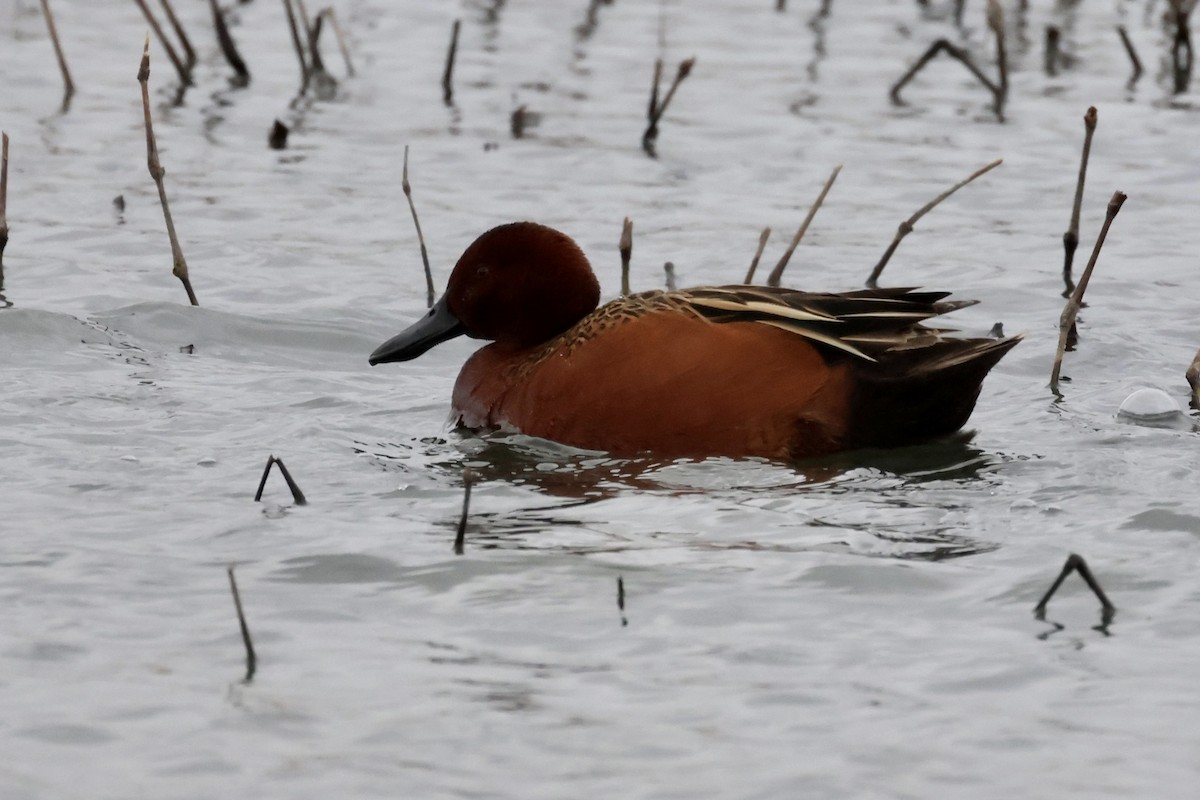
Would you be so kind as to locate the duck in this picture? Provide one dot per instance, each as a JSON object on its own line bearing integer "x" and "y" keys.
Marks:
{"x": 739, "y": 371}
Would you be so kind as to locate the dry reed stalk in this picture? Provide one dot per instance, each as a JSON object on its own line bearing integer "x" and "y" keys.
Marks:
{"x": 1181, "y": 48}
{"x": 940, "y": 46}
{"x": 277, "y": 138}
{"x": 3, "y": 201}
{"x": 906, "y": 227}
{"x": 762, "y": 243}
{"x": 251, "y": 658}
{"x": 68, "y": 84}
{"x": 1071, "y": 237}
{"x": 448, "y": 74}
{"x": 189, "y": 53}
{"x": 995, "y": 21}
{"x": 621, "y": 600}
{"x": 407, "y": 187}
{"x": 669, "y": 272}
{"x": 626, "y": 248}
{"x": 650, "y": 137}
{"x": 297, "y": 495}
{"x": 1050, "y": 57}
{"x": 1066, "y": 322}
{"x": 298, "y": 44}
{"x": 228, "y": 47}
{"x": 777, "y": 273}
{"x": 1075, "y": 563}
{"x": 1132, "y": 53}
{"x": 179, "y": 268}
{"x": 331, "y": 14}
{"x": 185, "y": 73}
{"x": 460, "y": 536}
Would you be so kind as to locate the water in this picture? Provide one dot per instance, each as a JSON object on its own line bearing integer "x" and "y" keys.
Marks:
{"x": 860, "y": 626}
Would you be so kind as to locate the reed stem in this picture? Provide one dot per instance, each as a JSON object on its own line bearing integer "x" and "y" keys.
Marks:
{"x": 68, "y": 84}
{"x": 407, "y": 187}
{"x": 777, "y": 273}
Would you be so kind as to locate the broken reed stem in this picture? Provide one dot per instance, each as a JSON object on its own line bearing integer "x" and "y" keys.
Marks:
{"x": 658, "y": 69}
{"x": 228, "y": 48}
{"x": 1071, "y": 237}
{"x": 1132, "y": 52}
{"x": 251, "y": 658}
{"x": 298, "y": 45}
{"x": 1075, "y": 563}
{"x": 68, "y": 84}
{"x": 3, "y": 201}
{"x": 626, "y": 248}
{"x": 312, "y": 30}
{"x": 1181, "y": 50}
{"x": 331, "y": 14}
{"x": 1192, "y": 375}
{"x": 1066, "y": 321}
{"x": 944, "y": 45}
{"x": 650, "y": 137}
{"x": 448, "y": 75}
{"x": 906, "y": 227}
{"x": 1051, "y": 57}
{"x": 995, "y": 20}
{"x": 297, "y": 495}
{"x": 185, "y": 74}
{"x": 179, "y": 31}
{"x": 621, "y": 600}
{"x": 460, "y": 535}
{"x": 407, "y": 187}
{"x": 669, "y": 271}
{"x": 179, "y": 268}
{"x": 777, "y": 273}
{"x": 762, "y": 243}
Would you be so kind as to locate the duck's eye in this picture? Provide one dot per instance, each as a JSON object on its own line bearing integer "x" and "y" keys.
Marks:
{"x": 482, "y": 272}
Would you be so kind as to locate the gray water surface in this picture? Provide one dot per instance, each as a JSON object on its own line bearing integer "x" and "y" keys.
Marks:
{"x": 856, "y": 627}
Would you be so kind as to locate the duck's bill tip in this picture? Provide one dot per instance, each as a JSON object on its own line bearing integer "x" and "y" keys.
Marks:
{"x": 437, "y": 326}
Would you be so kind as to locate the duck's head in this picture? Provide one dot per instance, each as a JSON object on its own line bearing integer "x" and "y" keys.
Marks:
{"x": 520, "y": 284}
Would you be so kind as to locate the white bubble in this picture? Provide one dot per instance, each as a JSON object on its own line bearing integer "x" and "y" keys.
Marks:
{"x": 1149, "y": 405}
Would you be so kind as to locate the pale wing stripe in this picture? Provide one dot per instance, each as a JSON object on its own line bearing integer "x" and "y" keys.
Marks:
{"x": 832, "y": 341}
{"x": 763, "y": 308}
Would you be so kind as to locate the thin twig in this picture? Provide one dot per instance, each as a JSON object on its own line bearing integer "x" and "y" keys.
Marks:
{"x": 1071, "y": 237}
{"x": 1075, "y": 563}
{"x": 650, "y": 111}
{"x": 251, "y": 658}
{"x": 407, "y": 187}
{"x": 297, "y": 43}
{"x": 228, "y": 47}
{"x": 341, "y": 40}
{"x": 460, "y": 535}
{"x": 650, "y": 137}
{"x": 1066, "y": 321}
{"x": 762, "y": 243}
{"x": 1132, "y": 52}
{"x": 189, "y": 53}
{"x": 297, "y": 495}
{"x": 313, "y": 37}
{"x": 944, "y": 45}
{"x": 179, "y": 268}
{"x": 777, "y": 273}
{"x": 448, "y": 75}
{"x": 3, "y": 201}
{"x": 1192, "y": 375}
{"x": 995, "y": 20}
{"x": 906, "y": 227}
{"x": 621, "y": 600}
{"x": 185, "y": 74}
{"x": 68, "y": 84}
{"x": 626, "y": 247}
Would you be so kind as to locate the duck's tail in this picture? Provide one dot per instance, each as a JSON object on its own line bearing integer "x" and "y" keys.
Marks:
{"x": 915, "y": 394}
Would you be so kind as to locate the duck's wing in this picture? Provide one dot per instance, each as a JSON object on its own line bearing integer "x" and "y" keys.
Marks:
{"x": 866, "y": 323}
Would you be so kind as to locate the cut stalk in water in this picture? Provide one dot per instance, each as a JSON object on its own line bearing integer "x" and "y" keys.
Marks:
{"x": 621, "y": 600}
{"x": 189, "y": 53}
{"x": 3, "y": 201}
{"x": 762, "y": 243}
{"x": 995, "y": 20}
{"x": 460, "y": 535}
{"x": 251, "y": 658}
{"x": 407, "y": 187}
{"x": 448, "y": 74}
{"x": 1071, "y": 237}
{"x": 179, "y": 265}
{"x": 298, "y": 44}
{"x": 626, "y": 248}
{"x": 650, "y": 137}
{"x": 1075, "y": 563}
{"x": 185, "y": 74}
{"x": 68, "y": 84}
{"x": 1181, "y": 48}
{"x": 1050, "y": 56}
{"x": 906, "y": 227}
{"x": 777, "y": 273}
{"x": 1132, "y": 53}
{"x": 297, "y": 495}
{"x": 331, "y": 14}
{"x": 669, "y": 273}
{"x": 957, "y": 53}
{"x": 228, "y": 47}
{"x": 1066, "y": 322}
